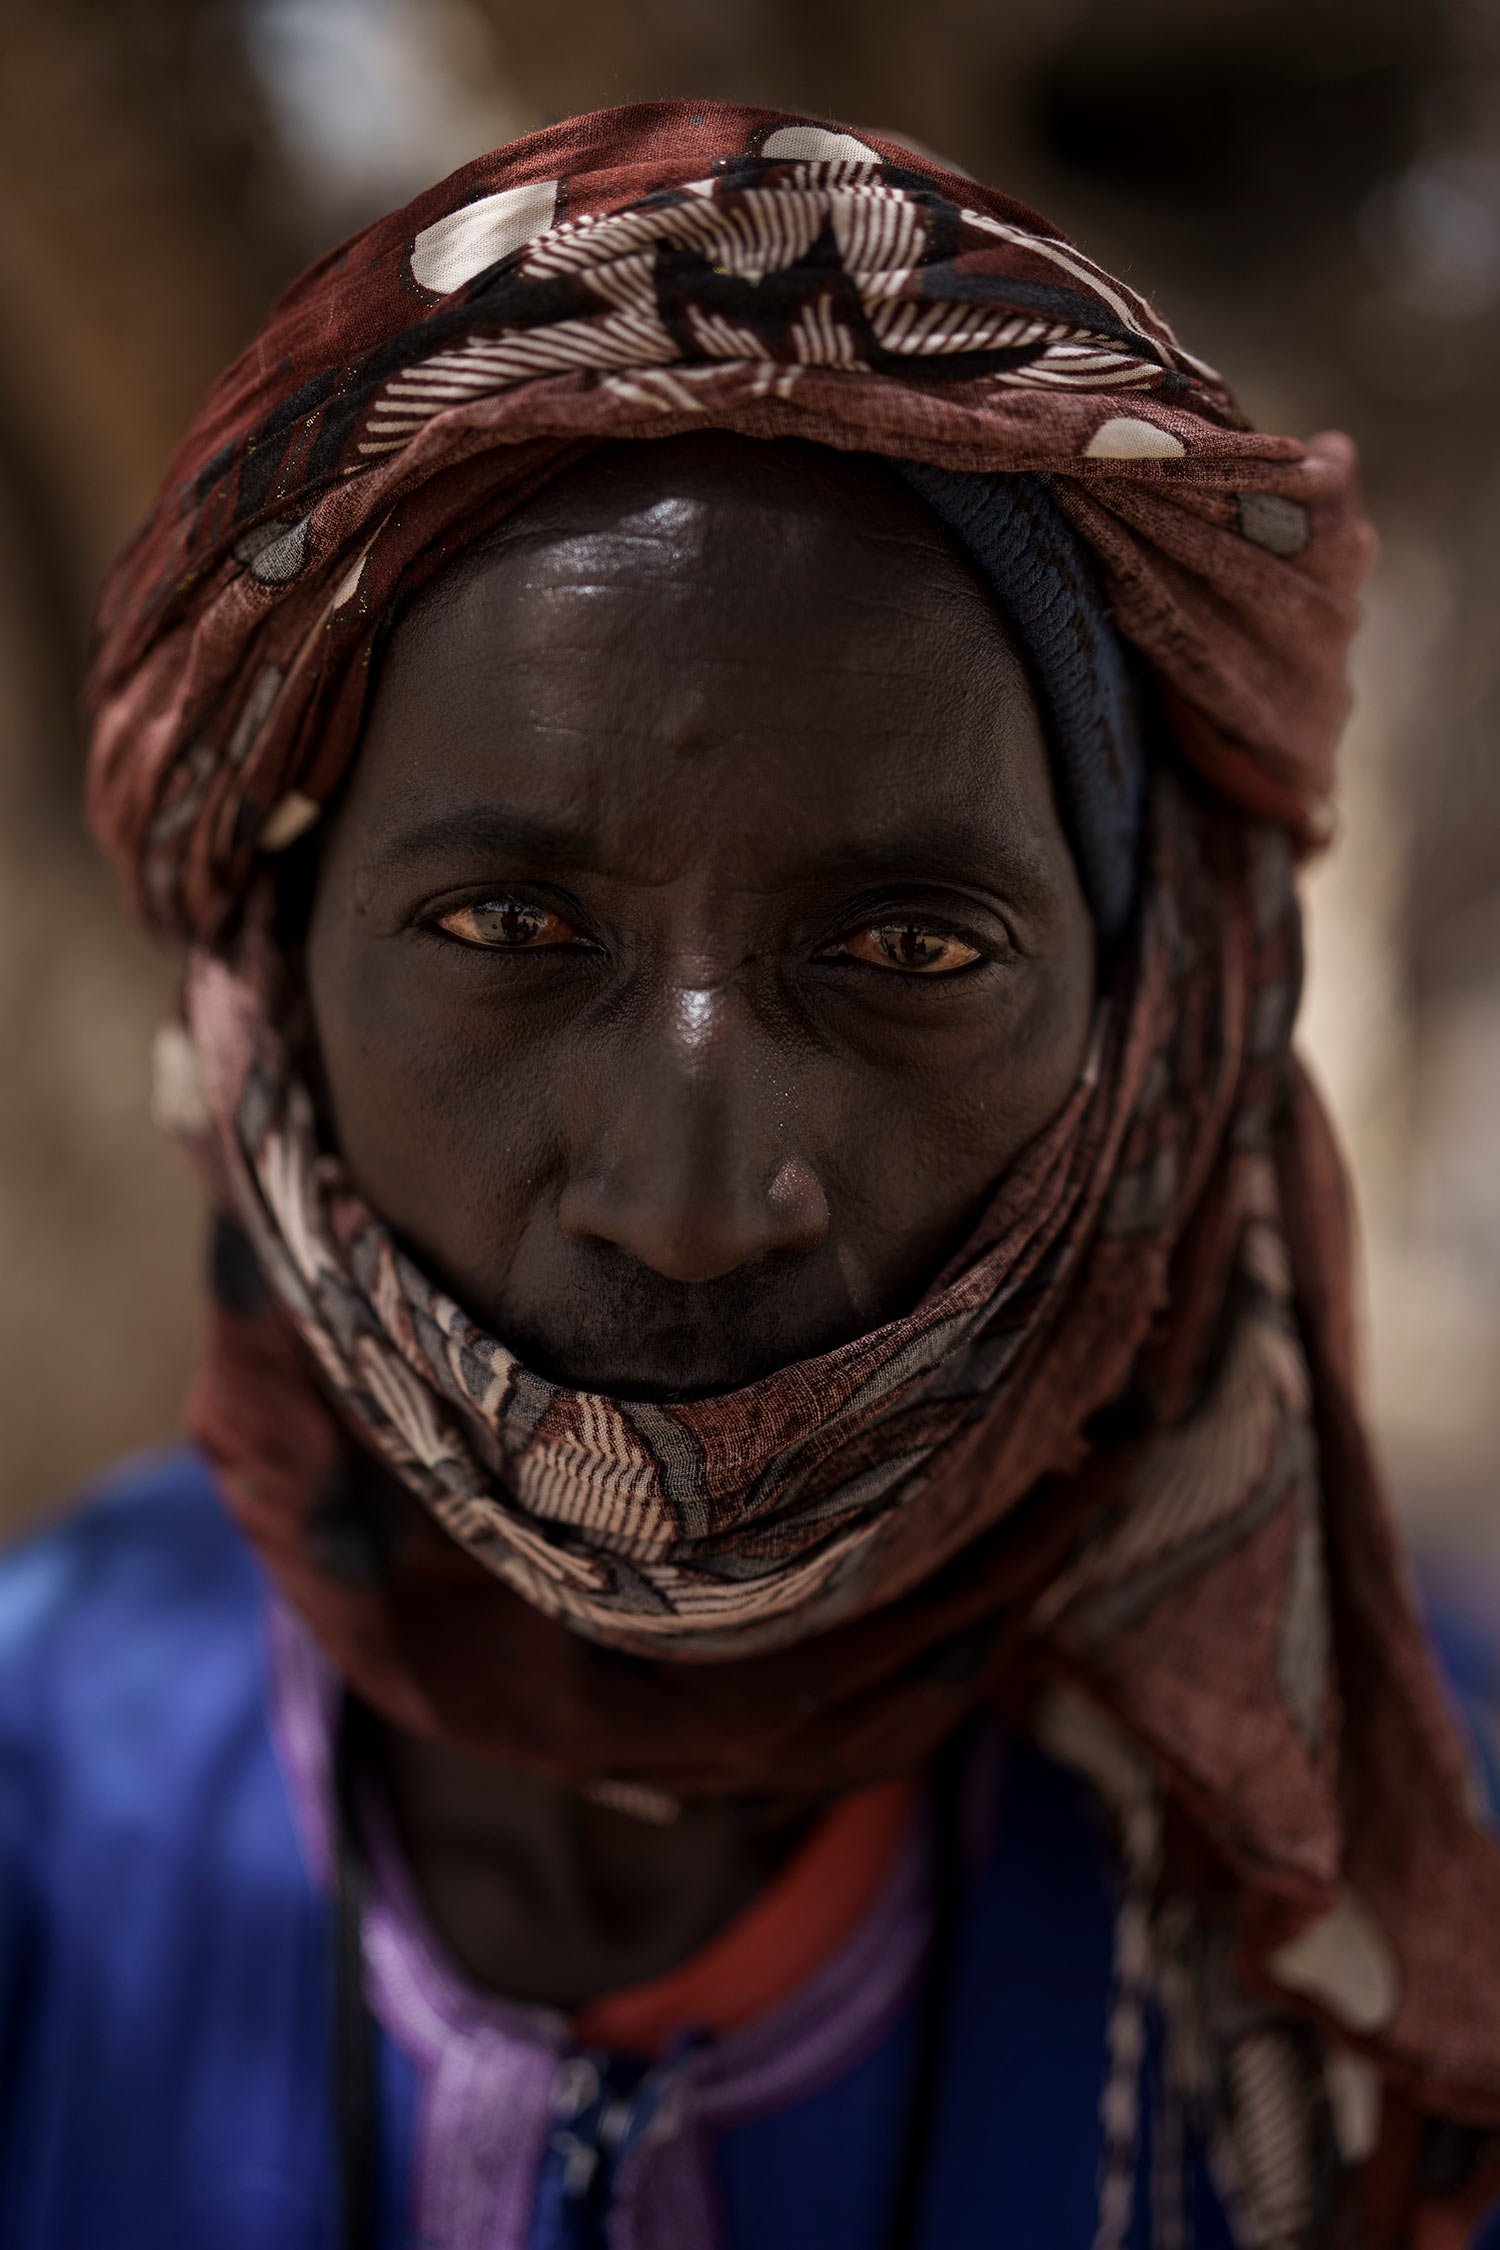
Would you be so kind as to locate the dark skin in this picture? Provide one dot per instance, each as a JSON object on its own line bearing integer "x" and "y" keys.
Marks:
{"x": 695, "y": 944}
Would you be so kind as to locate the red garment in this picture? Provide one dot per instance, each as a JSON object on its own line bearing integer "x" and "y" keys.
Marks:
{"x": 767, "y": 1953}
{"x": 407, "y": 393}
{"x": 1139, "y": 1469}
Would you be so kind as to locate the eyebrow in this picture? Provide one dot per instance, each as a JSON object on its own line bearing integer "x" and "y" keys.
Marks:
{"x": 968, "y": 851}
{"x": 487, "y": 828}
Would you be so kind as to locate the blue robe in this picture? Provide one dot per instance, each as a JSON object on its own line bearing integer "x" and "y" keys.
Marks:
{"x": 165, "y": 1962}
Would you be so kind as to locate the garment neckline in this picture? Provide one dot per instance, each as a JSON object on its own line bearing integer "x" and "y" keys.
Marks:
{"x": 425, "y": 2002}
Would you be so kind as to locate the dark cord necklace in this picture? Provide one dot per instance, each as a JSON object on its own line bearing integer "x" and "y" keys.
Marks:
{"x": 355, "y": 2089}
{"x": 355, "y": 2092}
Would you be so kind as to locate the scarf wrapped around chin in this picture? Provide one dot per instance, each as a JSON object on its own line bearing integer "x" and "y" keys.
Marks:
{"x": 732, "y": 1525}
{"x": 1114, "y": 1451}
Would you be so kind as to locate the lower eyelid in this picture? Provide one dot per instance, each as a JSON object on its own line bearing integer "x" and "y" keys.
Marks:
{"x": 893, "y": 974}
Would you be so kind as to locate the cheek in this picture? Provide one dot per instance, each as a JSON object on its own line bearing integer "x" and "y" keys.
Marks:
{"x": 460, "y": 1120}
{"x": 447, "y": 1124}
{"x": 929, "y": 1145}
{"x": 1024, "y": 1080}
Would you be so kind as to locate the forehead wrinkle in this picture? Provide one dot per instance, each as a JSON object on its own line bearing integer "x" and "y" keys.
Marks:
{"x": 898, "y": 659}
{"x": 870, "y": 689}
{"x": 838, "y": 591}
{"x": 980, "y": 849}
{"x": 591, "y": 559}
{"x": 902, "y": 657}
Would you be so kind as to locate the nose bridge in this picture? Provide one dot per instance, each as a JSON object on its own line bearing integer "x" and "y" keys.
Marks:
{"x": 696, "y": 1007}
{"x": 691, "y": 1128}
{"x": 692, "y": 1168}
{"x": 704, "y": 1041}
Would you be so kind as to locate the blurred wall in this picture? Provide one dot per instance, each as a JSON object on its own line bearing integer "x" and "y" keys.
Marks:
{"x": 1311, "y": 188}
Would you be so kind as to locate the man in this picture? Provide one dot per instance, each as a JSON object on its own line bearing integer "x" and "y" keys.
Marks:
{"x": 725, "y": 719}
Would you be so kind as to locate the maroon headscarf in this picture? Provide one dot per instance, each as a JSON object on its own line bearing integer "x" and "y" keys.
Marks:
{"x": 1111, "y": 1469}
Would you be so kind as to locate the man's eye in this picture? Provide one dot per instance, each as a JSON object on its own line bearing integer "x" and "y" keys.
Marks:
{"x": 907, "y": 945}
{"x": 507, "y": 925}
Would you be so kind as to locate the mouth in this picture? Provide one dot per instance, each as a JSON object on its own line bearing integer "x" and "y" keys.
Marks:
{"x": 680, "y": 1348}
{"x": 664, "y": 1378}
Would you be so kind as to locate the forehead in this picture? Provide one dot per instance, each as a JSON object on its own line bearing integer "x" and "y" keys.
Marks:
{"x": 707, "y": 635}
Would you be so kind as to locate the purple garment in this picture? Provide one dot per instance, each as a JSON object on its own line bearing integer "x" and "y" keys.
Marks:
{"x": 166, "y": 1987}
{"x": 494, "y": 2076}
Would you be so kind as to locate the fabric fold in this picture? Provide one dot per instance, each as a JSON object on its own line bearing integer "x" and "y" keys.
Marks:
{"x": 1116, "y": 1445}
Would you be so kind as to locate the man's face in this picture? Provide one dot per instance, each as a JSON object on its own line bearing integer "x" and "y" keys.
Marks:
{"x": 696, "y": 941}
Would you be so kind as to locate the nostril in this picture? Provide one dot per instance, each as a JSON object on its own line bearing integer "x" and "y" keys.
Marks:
{"x": 799, "y": 1206}
{"x": 699, "y": 1237}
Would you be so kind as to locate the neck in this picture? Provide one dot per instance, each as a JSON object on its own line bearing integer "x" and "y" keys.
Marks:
{"x": 548, "y": 1896}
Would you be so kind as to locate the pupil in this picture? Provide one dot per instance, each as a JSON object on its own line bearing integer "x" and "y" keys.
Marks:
{"x": 912, "y": 947}
{"x": 512, "y": 924}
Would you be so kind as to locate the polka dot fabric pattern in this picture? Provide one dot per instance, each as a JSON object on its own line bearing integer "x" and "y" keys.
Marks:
{"x": 639, "y": 273}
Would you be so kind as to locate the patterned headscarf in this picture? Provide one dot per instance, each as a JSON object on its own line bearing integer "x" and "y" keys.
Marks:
{"x": 1110, "y": 1469}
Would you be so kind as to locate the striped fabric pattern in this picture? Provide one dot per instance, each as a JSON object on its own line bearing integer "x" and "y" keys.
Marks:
{"x": 1116, "y": 1450}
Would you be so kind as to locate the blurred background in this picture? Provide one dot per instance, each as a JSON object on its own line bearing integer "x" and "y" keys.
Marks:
{"x": 1309, "y": 188}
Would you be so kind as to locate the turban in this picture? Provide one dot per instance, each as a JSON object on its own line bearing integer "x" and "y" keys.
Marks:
{"x": 1040, "y": 577}
{"x": 1112, "y": 1462}
{"x": 635, "y": 275}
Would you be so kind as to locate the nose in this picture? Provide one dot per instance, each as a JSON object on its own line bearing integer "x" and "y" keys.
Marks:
{"x": 690, "y": 1170}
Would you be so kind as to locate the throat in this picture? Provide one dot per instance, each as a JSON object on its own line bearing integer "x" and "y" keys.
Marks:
{"x": 549, "y": 1897}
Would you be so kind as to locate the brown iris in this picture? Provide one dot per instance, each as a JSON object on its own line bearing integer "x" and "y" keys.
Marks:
{"x": 513, "y": 925}
{"x": 507, "y": 925}
{"x": 907, "y": 945}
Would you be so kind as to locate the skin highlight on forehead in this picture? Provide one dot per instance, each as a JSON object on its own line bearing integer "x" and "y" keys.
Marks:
{"x": 697, "y": 941}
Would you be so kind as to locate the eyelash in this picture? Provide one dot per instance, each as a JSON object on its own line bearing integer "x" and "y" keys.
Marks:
{"x": 880, "y": 917}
